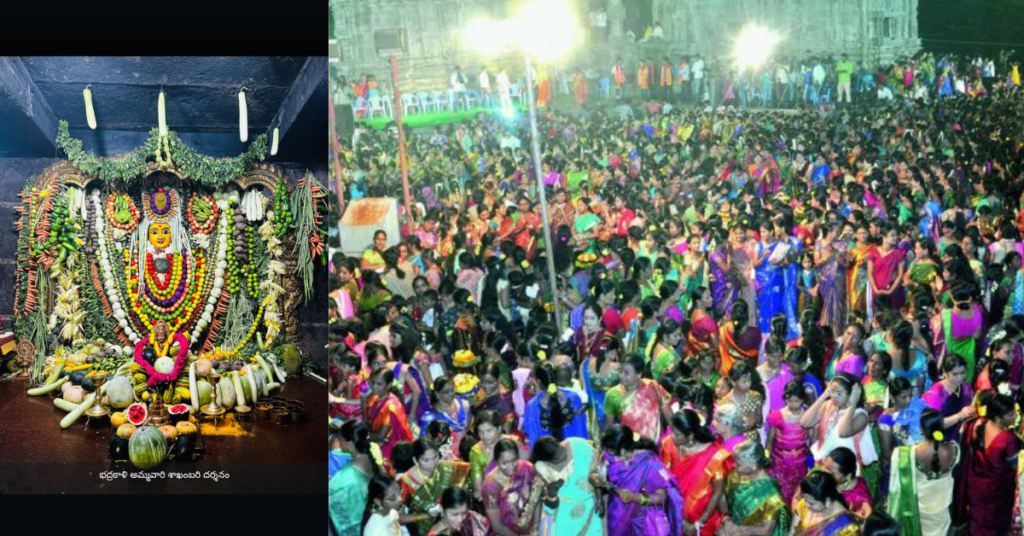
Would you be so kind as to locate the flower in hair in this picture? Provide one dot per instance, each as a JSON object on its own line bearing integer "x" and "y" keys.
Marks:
{"x": 938, "y": 436}
{"x": 542, "y": 355}
{"x": 375, "y": 453}
{"x": 982, "y": 411}
{"x": 552, "y": 389}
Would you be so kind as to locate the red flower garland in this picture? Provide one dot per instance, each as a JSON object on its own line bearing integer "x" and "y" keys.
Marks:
{"x": 154, "y": 376}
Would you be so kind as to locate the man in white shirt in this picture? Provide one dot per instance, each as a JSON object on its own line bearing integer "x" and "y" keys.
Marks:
{"x": 697, "y": 72}
{"x": 884, "y": 93}
{"x": 818, "y": 80}
{"x": 782, "y": 80}
{"x": 658, "y": 32}
{"x": 504, "y": 91}
{"x": 485, "y": 85}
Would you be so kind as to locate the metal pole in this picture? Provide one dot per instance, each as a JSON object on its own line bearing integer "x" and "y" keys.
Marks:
{"x": 337, "y": 149}
{"x": 403, "y": 162}
{"x": 548, "y": 244}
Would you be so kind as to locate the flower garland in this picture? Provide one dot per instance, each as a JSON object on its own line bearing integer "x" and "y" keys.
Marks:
{"x": 154, "y": 376}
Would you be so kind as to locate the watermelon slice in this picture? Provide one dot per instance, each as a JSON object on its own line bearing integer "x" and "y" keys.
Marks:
{"x": 137, "y": 414}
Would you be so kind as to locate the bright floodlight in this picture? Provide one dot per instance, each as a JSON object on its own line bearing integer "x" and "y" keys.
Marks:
{"x": 548, "y": 29}
{"x": 754, "y": 46}
{"x": 490, "y": 37}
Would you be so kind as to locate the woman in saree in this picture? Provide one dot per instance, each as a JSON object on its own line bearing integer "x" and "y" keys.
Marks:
{"x": 885, "y": 273}
{"x": 349, "y": 487}
{"x": 643, "y": 497}
{"x": 598, "y": 375}
{"x": 923, "y": 271}
{"x": 637, "y": 402}
{"x": 703, "y": 334}
{"x": 738, "y": 341}
{"x": 956, "y": 329}
{"x": 457, "y": 518}
{"x": 908, "y": 360}
{"x": 900, "y": 425}
{"x": 661, "y": 348}
{"x": 857, "y": 275}
{"x": 838, "y": 419}
{"x": 586, "y": 226}
{"x": 742, "y": 249}
{"x": 851, "y": 359}
{"x": 830, "y": 257}
{"x": 506, "y": 489}
{"x": 592, "y": 334}
{"x": 700, "y": 466}
{"x": 876, "y": 384}
{"x": 693, "y": 267}
{"x": 385, "y": 413}
{"x": 983, "y": 498}
{"x": 842, "y": 463}
{"x": 496, "y": 397}
{"x": 449, "y": 409}
{"x": 347, "y": 270}
{"x": 952, "y": 396}
{"x": 562, "y": 488}
{"x": 481, "y": 456}
{"x": 723, "y": 287}
{"x": 554, "y": 410}
{"x": 747, "y": 394}
{"x": 821, "y": 510}
{"x": 423, "y": 484}
{"x": 921, "y": 481}
{"x": 769, "y": 278}
{"x": 752, "y": 499}
{"x": 372, "y": 259}
{"x": 789, "y": 266}
{"x": 788, "y": 442}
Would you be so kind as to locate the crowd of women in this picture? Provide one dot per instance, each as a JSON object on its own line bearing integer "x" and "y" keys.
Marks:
{"x": 807, "y": 324}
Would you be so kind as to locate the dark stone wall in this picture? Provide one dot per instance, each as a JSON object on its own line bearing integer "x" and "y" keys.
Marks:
{"x": 14, "y": 172}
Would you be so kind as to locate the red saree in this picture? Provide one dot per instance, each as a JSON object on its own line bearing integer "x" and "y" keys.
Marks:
{"x": 694, "y": 474}
{"x": 702, "y": 333}
{"x": 733, "y": 349}
{"x": 389, "y": 412}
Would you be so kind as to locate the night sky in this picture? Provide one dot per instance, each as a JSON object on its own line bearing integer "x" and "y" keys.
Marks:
{"x": 976, "y": 23}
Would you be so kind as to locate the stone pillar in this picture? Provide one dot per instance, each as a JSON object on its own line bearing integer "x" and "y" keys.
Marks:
{"x": 616, "y": 19}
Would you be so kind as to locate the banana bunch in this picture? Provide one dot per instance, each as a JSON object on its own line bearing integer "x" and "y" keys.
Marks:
{"x": 122, "y": 212}
{"x": 201, "y": 210}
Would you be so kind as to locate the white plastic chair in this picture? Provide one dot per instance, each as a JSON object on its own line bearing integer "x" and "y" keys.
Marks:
{"x": 410, "y": 101}
{"x": 377, "y": 105}
{"x": 426, "y": 103}
{"x": 441, "y": 100}
{"x": 473, "y": 98}
{"x": 516, "y": 92}
{"x": 359, "y": 107}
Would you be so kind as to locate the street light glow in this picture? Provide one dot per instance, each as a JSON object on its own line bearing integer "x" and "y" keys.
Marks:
{"x": 491, "y": 37}
{"x": 548, "y": 29}
{"x": 754, "y": 46}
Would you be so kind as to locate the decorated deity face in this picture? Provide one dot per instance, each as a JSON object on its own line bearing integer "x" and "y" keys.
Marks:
{"x": 160, "y": 235}
{"x": 160, "y": 331}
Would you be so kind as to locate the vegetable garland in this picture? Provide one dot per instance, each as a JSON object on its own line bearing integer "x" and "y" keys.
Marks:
{"x": 204, "y": 169}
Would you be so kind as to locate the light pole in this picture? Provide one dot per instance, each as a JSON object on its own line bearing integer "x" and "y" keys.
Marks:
{"x": 545, "y": 29}
{"x": 535, "y": 143}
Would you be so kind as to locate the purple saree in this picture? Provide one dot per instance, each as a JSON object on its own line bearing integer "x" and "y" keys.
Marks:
{"x": 643, "y": 474}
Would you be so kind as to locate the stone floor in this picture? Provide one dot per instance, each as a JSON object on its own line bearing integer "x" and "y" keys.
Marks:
{"x": 37, "y": 456}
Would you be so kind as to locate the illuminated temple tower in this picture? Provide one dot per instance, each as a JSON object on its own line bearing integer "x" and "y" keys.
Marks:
{"x": 423, "y": 34}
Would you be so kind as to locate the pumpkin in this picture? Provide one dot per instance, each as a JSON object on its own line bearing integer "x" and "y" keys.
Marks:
{"x": 147, "y": 447}
{"x": 203, "y": 367}
{"x": 186, "y": 428}
{"x": 170, "y": 432}
{"x": 74, "y": 394}
{"x": 88, "y": 385}
{"x": 77, "y": 377}
{"x": 126, "y": 430}
{"x": 226, "y": 394}
{"x": 117, "y": 419}
{"x": 205, "y": 392}
{"x": 77, "y": 358}
{"x": 120, "y": 392}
